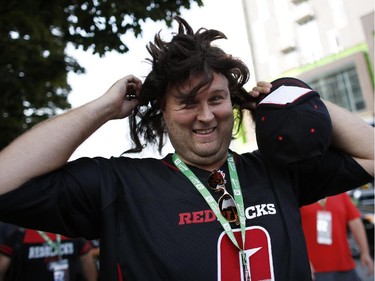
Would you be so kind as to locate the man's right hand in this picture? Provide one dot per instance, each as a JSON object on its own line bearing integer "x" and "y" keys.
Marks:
{"x": 121, "y": 98}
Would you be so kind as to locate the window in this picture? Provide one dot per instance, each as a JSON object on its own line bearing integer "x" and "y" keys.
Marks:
{"x": 341, "y": 88}
{"x": 296, "y": 2}
{"x": 305, "y": 19}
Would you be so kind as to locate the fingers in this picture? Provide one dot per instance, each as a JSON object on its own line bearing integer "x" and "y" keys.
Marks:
{"x": 260, "y": 91}
{"x": 369, "y": 263}
{"x": 122, "y": 97}
{"x": 256, "y": 95}
{"x": 133, "y": 86}
{"x": 262, "y": 87}
{"x": 264, "y": 84}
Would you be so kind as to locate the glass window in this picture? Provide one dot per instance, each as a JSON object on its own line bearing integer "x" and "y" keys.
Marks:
{"x": 341, "y": 88}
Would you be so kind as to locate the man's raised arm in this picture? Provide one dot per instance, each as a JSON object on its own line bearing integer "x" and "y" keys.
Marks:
{"x": 350, "y": 134}
{"x": 49, "y": 145}
{"x": 353, "y": 136}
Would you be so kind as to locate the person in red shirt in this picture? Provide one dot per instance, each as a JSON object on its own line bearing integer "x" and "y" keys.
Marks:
{"x": 325, "y": 226}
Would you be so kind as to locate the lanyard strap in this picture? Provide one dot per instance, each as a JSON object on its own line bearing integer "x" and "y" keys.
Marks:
{"x": 48, "y": 240}
{"x": 323, "y": 202}
{"x": 212, "y": 202}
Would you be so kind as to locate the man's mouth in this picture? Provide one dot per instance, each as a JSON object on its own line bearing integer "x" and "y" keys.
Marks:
{"x": 204, "y": 131}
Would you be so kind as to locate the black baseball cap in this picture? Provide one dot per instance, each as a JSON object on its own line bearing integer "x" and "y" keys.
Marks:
{"x": 293, "y": 126}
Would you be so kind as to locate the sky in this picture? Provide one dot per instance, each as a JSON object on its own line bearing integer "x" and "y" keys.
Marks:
{"x": 113, "y": 138}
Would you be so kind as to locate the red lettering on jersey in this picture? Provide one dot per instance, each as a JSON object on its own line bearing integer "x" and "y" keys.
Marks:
{"x": 185, "y": 218}
{"x": 197, "y": 217}
{"x": 209, "y": 216}
{"x": 258, "y": 251}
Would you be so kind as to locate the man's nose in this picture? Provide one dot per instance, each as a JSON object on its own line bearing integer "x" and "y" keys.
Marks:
{"x": 204, "y": 113}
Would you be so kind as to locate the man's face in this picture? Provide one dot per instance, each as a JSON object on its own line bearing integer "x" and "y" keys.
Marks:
{"x": 200, "y": 128}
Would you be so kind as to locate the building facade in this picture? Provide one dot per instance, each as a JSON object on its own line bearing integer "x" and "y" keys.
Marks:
{"x": 327, "y": 43}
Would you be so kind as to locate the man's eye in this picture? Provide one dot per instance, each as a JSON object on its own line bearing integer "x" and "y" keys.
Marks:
{"x": 189, "y": 103}
{"x": 217, "y": 98}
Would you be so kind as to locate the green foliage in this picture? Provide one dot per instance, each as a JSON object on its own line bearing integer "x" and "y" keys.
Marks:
{"x": 33, "y": 38}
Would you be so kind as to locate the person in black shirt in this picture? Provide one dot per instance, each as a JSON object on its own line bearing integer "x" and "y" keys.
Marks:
{"x": 204, "y": 212}
{"x": 35, "y": 255}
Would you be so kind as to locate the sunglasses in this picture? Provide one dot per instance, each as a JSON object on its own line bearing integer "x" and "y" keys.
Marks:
{"x": 227, "y": 205}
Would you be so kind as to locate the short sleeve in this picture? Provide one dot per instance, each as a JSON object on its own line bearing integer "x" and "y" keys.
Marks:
{"x": 334, "y": 174}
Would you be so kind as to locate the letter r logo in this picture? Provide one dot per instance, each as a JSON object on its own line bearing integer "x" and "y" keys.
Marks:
{"x": 258, "y": 252}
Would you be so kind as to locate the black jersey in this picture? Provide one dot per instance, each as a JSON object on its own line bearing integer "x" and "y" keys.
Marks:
{"x": 33, "y": 258}
{"x": 154, "y": 225}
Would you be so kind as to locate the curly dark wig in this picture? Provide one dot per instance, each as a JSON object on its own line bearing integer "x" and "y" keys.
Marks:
{"x": 173, "y": 63}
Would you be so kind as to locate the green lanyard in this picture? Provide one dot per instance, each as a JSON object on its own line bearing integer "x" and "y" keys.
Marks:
{"x": 237, "y": 194}
{"x": 55, "y": 246}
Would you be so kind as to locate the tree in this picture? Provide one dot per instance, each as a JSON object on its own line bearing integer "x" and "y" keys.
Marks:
{"x": 33, "y": 38}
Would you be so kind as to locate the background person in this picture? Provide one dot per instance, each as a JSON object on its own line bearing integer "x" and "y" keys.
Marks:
{"x": 33, "y": 255}
{"x": 325, "y": 225}
{"x": 6, "y": 230}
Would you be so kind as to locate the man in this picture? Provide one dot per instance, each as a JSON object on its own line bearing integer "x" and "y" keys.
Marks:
{"x": 150, "y": 215}
{"x": 36, "y": 255}
{"x": 325, "y": 225}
